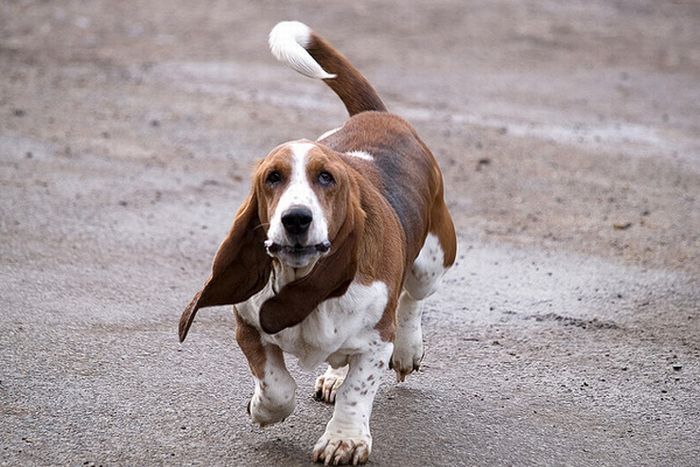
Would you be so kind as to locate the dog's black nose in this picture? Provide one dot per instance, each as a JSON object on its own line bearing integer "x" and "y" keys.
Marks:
{"x": 296, "y": 221}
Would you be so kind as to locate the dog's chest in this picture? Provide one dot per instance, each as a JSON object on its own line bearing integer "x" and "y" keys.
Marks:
{"x": 338, "y": 327}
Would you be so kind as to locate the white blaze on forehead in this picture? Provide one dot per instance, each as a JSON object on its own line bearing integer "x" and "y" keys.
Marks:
{"x": 299, "y": 192}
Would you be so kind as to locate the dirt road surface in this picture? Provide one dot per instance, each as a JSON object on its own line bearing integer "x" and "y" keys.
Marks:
{"x": 569, "y": 133}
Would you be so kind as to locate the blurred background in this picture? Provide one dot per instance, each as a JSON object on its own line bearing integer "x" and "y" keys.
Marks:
{"x": 569, "y": 137}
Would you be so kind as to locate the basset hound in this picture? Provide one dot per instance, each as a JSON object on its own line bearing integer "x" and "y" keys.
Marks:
{"x": 331, "y": 254}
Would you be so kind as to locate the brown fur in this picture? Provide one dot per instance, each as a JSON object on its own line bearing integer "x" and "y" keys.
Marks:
{"x": 441, "y": 225}
{"x": 403, "y": 170}
{"x": 383, "y": 252}
{"x": 349, "y": 84}
{"x": 240, "y": 268}
{"x": 249, "y": 341}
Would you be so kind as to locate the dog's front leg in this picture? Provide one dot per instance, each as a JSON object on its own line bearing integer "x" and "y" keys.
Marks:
{"x": 347, "y": 439}
{"x": 274, "y": 396}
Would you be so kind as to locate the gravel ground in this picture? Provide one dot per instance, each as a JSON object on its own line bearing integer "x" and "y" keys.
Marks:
{"x": 569, "y": 132}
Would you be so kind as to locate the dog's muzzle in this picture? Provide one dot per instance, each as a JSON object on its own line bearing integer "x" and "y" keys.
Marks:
{"x": 273, "y": 248}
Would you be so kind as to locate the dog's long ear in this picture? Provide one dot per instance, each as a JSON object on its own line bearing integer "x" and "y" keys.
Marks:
{"x": 329, "y": 278}
{"x": 241, "y": 266}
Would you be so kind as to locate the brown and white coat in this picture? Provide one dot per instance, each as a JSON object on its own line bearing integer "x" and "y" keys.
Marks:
{"x": 331, "y": 253}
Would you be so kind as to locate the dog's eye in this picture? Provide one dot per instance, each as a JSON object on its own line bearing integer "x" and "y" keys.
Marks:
{"x": 273, "y": 178}
{"x": 325, "y": 179}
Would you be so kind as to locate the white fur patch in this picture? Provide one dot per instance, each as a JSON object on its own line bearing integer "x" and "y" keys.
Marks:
{"x": 328, "y": 133}
{"x": 288, "y": 40}
{"x": 343, "y": 325}
{"x": 427, "y": 270}
{"x": 299, "y": 193}
{"x": 339, "y": 327}
{"x": 361, "y": 155}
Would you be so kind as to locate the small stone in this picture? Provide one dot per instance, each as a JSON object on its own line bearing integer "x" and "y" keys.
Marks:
{"x": 483, "y": 162}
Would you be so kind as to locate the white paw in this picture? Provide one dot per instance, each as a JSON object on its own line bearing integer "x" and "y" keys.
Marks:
{"x": 328, "y": 383}
{"x": 268, "y": 414}
{"x": 408, "y": 353}
{"x": 339, "y": 449}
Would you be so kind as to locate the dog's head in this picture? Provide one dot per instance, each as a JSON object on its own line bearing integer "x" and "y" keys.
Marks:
{"x": 303, "y": 211}
{"x": 303, "y": 194}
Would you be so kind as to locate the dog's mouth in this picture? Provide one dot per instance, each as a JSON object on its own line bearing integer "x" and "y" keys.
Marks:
{"x": 297, "y": 249}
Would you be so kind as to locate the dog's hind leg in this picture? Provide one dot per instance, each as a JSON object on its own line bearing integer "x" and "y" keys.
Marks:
{"x": 435, "y": 257}
{"x": 328, "y": 383}
{"x": 408, "y": 343}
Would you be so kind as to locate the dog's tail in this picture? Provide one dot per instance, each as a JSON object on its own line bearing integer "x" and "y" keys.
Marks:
{"x": 295, "y": 44}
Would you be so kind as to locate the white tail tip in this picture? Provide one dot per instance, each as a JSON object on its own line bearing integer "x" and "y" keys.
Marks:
{"x": 288, "y": 40}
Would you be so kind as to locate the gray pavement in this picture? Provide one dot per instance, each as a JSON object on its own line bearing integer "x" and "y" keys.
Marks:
{"x": 567, "y": 334}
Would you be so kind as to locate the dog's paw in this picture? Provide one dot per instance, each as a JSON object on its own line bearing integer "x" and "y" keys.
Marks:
{"x": 339, "y": 450}
{"x": 406, "y": 358}
{"x": 265, "y": 415}
{"x": 328, "y": 383}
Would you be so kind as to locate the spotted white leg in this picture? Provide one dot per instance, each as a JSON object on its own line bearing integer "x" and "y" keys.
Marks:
{"x": 328, "y": 383}
{"x": 408, "y": 343}
{"x": 347, "y": 439}
{"x": 274, "y": 397}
